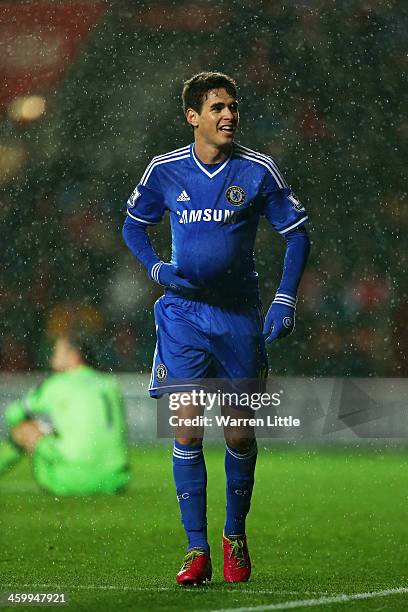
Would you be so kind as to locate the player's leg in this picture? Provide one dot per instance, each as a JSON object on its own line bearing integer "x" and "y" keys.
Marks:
{"x": 47, "y": 464}
{"x": 32, "y": 437}
{"x": 181, "y": 356}
{"x": 51, "y": 470}
{"x": 240, "y": 461}
{"x": 190, "y": 477}
{"x": 56, "y": 475}
{"x": 241, "y": 357}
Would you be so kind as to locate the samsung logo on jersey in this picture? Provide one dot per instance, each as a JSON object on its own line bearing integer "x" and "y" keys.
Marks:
{"x": 208, "y": 214}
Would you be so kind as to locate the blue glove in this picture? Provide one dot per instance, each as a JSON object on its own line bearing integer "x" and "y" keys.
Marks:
{"x": 280, "y": 318}
{"x": 169, "y": 276}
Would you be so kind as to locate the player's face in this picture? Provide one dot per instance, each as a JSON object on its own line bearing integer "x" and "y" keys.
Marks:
{"x": 218, "y": 120}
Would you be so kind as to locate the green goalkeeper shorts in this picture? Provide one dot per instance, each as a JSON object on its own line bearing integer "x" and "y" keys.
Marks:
{"x": 56, "y": 475}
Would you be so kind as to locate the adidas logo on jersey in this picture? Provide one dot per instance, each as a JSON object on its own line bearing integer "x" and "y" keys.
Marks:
{"x": 183, "y": 197}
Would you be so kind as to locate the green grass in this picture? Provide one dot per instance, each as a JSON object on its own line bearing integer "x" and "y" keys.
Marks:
{"x": 322, "y": 523}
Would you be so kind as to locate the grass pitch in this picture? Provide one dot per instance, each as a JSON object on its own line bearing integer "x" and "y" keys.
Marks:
{"x": 323, "y": 523}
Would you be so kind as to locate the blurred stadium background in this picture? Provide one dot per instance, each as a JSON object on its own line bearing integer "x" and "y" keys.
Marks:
{"x": 91, "y": 91}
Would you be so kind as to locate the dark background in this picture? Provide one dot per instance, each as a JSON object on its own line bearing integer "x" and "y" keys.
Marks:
{"x": 321, "y": 89}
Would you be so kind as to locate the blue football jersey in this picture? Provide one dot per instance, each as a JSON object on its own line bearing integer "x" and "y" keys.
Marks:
{"x": 214, "y": 215}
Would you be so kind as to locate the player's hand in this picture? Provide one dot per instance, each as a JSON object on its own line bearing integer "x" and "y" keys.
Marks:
{"x": 169, "y": 276}
{"x": 27, "y": 434}
{"x": 280, "y": 318}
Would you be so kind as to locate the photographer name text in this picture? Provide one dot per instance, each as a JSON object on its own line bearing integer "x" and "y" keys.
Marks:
{"x": 228, "y": 421}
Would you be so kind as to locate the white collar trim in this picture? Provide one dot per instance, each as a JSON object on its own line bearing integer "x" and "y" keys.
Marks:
{"x": 210, "y": 174}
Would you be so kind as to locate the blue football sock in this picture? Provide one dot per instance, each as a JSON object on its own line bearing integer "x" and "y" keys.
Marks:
{"x": 239, "y": 469}
{"x": 190, "y": 477}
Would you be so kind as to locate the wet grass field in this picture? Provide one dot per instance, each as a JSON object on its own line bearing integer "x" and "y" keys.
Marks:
{"x": 328, "y": 529}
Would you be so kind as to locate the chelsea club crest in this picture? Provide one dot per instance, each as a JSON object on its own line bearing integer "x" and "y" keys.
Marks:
{"x": 235, "y": 195}
{"x": 161, "y": 372}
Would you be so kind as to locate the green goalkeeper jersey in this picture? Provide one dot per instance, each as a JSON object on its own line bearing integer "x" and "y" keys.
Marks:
{"x": 87, "y": 415}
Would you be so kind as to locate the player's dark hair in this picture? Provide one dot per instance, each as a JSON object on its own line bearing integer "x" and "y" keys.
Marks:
{"x": 194, "y": 89}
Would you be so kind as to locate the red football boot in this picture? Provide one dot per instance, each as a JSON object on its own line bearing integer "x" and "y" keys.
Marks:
{"x": 237, "y": 564}
{"x": 196, "y": 568}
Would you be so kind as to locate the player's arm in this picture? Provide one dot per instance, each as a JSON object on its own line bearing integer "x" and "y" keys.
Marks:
{"x": 20, "y": 416}
{"x": 32, "y": 404}
{"x": 287, "y": 216}
{"x": 145, "y": 208}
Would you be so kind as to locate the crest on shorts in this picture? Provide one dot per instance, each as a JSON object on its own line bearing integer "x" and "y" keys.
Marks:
{"x": 161, "y": 372}
{"x": 235, "y": 195}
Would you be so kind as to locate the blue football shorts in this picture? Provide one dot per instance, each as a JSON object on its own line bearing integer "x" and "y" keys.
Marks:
{"x": 198, "y": 341}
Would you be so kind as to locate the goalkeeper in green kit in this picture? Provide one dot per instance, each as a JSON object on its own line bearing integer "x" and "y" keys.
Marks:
{"x": 85, "y": 450}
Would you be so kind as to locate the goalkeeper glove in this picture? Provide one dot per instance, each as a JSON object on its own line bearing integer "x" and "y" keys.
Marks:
{"x": 168, "y": 275}
{"x": 280, "y": 318}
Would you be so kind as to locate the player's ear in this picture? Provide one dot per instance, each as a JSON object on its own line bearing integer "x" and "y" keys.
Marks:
{"x": 192, "y": 117}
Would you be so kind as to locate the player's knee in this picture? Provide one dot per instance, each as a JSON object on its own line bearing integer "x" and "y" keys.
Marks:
{"x": 239, "y": 442}
{"x": 189, "y": 441}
